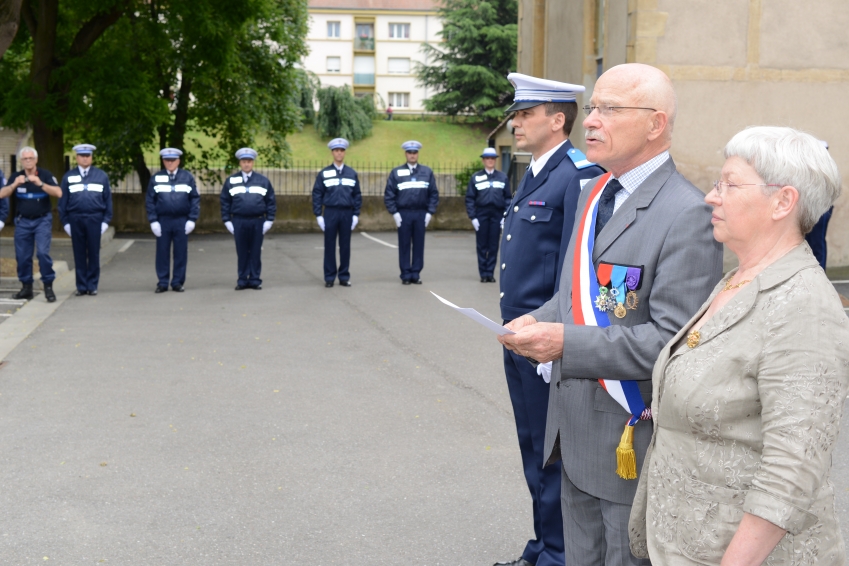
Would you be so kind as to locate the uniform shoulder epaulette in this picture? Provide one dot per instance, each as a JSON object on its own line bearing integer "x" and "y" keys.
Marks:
{"x": 579, "y": 159}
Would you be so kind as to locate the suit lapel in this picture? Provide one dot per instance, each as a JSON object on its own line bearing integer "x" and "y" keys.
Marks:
{"x": 536, "y": 182}
{"x": 627, "y": 213}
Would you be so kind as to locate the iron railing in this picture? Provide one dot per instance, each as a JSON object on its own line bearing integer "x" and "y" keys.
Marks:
{"x": 299, "y": 177}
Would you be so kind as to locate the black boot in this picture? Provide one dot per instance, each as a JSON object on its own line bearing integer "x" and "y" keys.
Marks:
{"x": 48, "y": 292}
{"x": 25, "y": 292}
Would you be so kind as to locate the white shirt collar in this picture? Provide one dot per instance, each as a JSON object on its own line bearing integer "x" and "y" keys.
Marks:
{"x": 246, "y": 176}
{"x": 489, "y": 171}
{"x": 631, "y": 180}
{"x": 84, "y": 170}
{"x": 538, "y": 164}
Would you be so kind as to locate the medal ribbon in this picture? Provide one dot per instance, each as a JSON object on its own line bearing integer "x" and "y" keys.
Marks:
{"x": 617, "y": 281}
{"x": 584, "y": 311}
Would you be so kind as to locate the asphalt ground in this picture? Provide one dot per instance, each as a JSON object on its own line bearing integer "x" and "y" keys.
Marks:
{"x": 297, "y": 424}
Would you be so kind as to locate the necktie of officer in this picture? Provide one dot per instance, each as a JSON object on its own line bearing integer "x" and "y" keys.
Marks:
{"x": 171, "y": 176}
{"x": 606, "y": 204}
{"x": 85, "y": 173}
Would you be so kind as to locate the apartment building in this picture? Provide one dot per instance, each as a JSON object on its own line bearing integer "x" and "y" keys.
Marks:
{"x": 373, "y": 47}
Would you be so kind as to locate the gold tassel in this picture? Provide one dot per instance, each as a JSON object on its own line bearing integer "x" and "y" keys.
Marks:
{"x": 626, "y": 459}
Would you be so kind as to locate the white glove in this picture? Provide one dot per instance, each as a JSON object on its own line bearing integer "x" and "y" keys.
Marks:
{"x": 428, "y": 216}
{"x": 544, "y": 370}
{"x": 2, "y": 224}
{"x": 354, "y": 221}
{"x": 266, "y": 226}
{"x": 320, "y": 220}
{"x": 502, "y": 224}
{"x": 67, "y": 229}
{"x": 476, "y": 224}
{"x": 397, "y": 217}
{"x": 189, "y": 227}
{"x": 229, "y": 226}
{"x": 103, "y": 227}
{"x": 156, "y": 228}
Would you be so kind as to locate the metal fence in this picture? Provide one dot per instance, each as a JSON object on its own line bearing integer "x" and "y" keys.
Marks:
{"x": 299, "y": 178}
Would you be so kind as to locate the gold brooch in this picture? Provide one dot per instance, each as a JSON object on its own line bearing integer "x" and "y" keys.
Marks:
{"x": 693, "y": 339}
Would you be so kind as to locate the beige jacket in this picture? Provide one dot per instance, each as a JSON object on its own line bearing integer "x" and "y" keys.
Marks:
{"x": 746, "y": 422}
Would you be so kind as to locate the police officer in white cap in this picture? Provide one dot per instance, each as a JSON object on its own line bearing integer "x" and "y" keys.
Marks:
{"x": 337, "y": 190}
{"x": 411, "y": 197}
{"x": 173, "y": 208}
{"x": 85, "y": 211}
{"x": 487, "y": 197}
{"x": 248, "y": 207}
{"x": 537, "y": 228}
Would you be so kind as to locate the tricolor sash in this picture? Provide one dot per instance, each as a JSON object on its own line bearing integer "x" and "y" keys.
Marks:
{"x": 584, "y": 311}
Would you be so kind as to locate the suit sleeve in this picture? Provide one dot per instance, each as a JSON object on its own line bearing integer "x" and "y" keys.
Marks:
{"x": 433, "y": 195}
{"x": 107, "y": 200}
{"x": 471, "y": 195}
{"x": 226, "y": 200}
{"x": 194, "y": 202}
{"x": 270, "y": 203}
{"x": 4, "y": 209}
{"x": 150, "y": 201}
{"x": 358, "y": 195}
{"x": 318, "y": 194}
{"x": 63, "y": 202}
{"x": 390, "y": 194}
{"x": 688, "y": 267}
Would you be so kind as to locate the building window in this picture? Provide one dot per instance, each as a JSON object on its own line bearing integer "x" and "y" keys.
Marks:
{"x": 399, "y": 99}
{"x": 334, "y": 64}
{"x": 399, "y": 66}
{"x": 363, "y": 70}
{"x": 399, "y": 31}
{"x": 365, "y": 37}
{"x": 334, "y": 29}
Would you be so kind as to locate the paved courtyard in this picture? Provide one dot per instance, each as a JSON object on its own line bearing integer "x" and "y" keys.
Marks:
{"x": 297, "y": 424}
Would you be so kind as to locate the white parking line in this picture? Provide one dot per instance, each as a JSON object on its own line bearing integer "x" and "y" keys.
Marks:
{"x": 387, "y": 244}
{"x": 126, "y": 246}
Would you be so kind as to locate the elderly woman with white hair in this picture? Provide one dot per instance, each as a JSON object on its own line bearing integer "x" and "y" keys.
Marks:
{"x": 748, "y": 396}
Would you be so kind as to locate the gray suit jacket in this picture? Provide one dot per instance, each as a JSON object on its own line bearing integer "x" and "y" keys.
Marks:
{"x": 664, "y": 226}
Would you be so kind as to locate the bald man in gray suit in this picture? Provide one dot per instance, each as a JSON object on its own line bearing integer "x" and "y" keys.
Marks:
{"x": 649, "y": 218}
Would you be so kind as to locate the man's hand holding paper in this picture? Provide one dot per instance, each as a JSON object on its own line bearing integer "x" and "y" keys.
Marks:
{"x": 540, "y": 341}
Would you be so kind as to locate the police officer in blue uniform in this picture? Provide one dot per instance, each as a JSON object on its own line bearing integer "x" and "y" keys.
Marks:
{"x": 33, "y": 187}
{"x": 816, "y": 237}
{"x": 85, "y": 211}
{"x": 173, "y": 208}
{"x": 337, "y": 189}
{"x": 411, "y": 198}
{"x": 487, "y": 197}
{"x": 537, "y": 228}
{"x": 248, "y": 207}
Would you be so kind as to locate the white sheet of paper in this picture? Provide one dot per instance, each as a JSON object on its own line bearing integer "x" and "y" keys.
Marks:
{"x": 477, "y": 317}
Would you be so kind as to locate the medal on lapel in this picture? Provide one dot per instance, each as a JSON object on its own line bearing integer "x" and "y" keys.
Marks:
{"x": 632, "y": 283}
{"x": 617, "y": 283}
{"x": 605, "y": 301}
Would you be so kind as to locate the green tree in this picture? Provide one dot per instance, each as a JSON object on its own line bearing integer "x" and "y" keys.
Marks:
{"x": 342, "y": 115}
{"x": 469, "y": 70}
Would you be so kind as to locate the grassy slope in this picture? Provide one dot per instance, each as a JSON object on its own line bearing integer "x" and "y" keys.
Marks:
{"x": 441, "y": 143}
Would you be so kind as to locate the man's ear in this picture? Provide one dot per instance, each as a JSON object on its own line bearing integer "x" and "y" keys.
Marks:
{"x": 659, "y": 123}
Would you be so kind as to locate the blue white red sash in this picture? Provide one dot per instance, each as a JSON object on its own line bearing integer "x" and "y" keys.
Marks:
{"x": 585, "y": 289}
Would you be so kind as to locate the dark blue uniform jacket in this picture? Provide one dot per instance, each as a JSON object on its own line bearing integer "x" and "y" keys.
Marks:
{"x": 32, "y": 201}
{"x": 251, "y": 199}
{"x": 406, "y": 190}
{"x": 177, "y": 199}
{"x": 537, "y": 229}
{"x": 487, "y": 191}
{"x": 91, "y": 195}
{"x": 4, "y": 202}
{"x": 338, "y": 191}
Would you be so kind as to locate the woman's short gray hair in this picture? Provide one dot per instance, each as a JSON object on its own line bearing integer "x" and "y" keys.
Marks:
{"x": 27, "y": 149}
{"x": 784, "y": 156}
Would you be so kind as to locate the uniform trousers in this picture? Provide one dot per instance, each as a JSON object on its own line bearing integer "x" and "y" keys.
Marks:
{"x": 85, "y": 239}
{"x": 38, "y": 233}
{"x": 337, "y": 222}
{"x": 816, "y": 237}
{"x": 529, "y": 397}
{"x": 248, "y": 235}
{"x": 411, "y": 232}
{"x": 173, "y": 232}
{"x": 487, "y": 238}
{"x": 595, "y": 530}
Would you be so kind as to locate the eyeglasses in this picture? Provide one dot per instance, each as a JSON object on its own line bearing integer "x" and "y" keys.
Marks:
{"x": 608, "y": 111}
{"x": 721, "y": 186}
{"x": 27, "y": 158}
